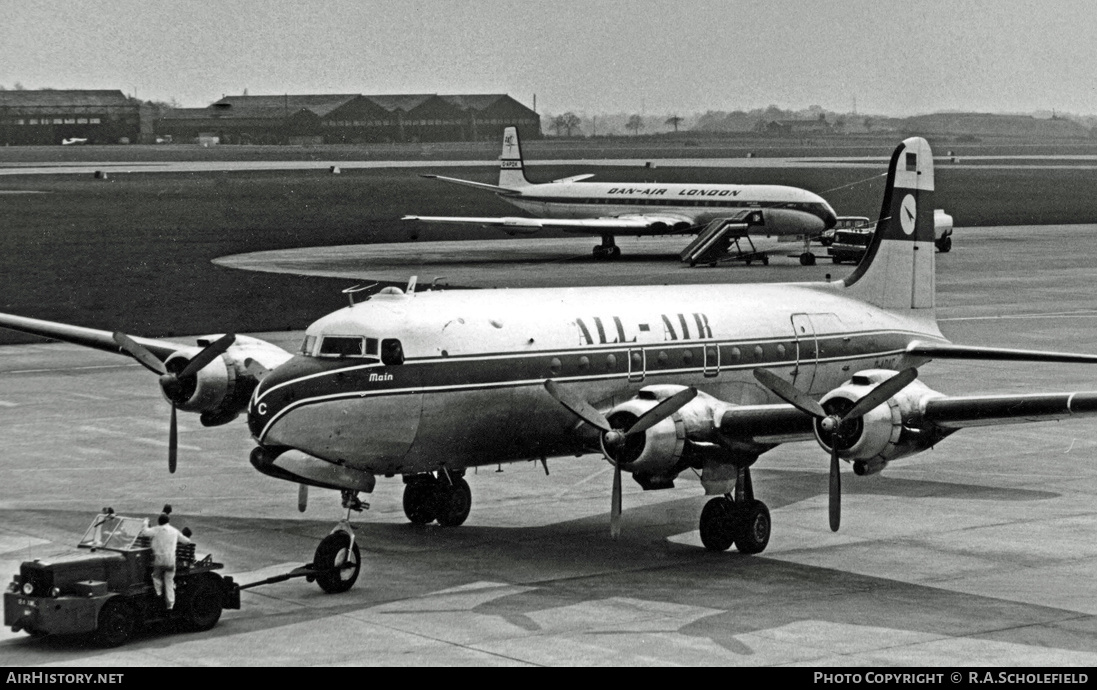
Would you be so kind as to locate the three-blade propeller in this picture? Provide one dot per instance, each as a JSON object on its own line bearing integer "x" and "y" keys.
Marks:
{"x": 832, "y": 423}
{"x": 612, "y": 437}
{"x": 171, "y": 383}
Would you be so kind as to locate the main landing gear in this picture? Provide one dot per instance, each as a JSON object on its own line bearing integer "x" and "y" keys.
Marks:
{"x": 740, "y": 519}
{"x": 607, "y": 250}
{"x": 445, "y": 498}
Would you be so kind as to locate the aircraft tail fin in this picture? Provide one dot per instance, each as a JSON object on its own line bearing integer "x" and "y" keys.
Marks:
{"x": 511, "y": 173}
{"x": 898, "y": 269}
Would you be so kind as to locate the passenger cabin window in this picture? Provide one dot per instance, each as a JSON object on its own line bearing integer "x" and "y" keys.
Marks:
{"x": 391, "y": 351}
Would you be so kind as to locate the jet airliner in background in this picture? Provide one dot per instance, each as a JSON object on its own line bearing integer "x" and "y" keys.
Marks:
{"x": 660, "y": 379}
{"x": 609, "y": 209}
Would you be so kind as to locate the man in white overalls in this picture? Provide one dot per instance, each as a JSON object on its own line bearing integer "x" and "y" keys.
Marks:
{"x": 164, "y": 539}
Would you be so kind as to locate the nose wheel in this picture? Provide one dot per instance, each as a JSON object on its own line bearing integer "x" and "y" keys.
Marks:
{"x": 338, "y": 561}
{"x": 607, "y": 250}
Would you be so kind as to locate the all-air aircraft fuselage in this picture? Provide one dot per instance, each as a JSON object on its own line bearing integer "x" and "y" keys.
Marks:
{"x": 661, "y": 379}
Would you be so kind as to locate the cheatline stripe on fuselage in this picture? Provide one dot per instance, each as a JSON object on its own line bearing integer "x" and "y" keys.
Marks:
{"x": 627, "y": 374}
{"x": 703, "y": 202}
{"x": 347, "y": 395}
{"x": 611, "y": 348}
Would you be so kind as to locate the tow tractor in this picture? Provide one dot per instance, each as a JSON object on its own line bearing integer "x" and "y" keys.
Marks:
{"x": 105, "y": 588}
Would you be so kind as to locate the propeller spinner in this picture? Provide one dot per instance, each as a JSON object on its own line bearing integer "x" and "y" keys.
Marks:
{"x": 173, "y": 383}
{"x": 832, "y": 422}
{"x": 613, "y": 437}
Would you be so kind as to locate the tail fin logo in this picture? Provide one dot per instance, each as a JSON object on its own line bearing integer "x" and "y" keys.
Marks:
{"x": 908, "y": 213}
{"x": 508, "y": 142}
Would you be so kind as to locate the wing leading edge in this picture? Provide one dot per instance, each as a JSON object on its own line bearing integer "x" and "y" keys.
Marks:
{"x": 87, "y": 337}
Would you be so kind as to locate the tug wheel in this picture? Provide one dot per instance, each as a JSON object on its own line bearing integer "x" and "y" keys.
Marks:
{"x": 200, "y": 602}
{"x": 117, "y": 621}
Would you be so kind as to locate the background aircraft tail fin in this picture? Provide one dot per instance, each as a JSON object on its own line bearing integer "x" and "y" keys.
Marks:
{"x": 511, "y": 172}
{"x": 897, "y": 271}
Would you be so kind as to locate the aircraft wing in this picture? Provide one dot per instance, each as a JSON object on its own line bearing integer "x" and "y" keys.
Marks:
{"x": 774, "y": 424}
{"x": 87, "y": 337}
{"x": 950, "y": 351}
{"x": 958, "y": 412}
{"x": 624, "y": 224}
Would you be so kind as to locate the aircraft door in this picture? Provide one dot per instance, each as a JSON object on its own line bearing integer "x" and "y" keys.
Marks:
{"x": 807, "y": 351}
{"x": 712, "y": 359}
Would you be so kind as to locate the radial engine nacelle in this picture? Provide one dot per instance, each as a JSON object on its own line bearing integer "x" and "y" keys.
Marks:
{"x": 889, "y": 431}
{"x": 219, "y": 391}
{"x": 657, "y": 455}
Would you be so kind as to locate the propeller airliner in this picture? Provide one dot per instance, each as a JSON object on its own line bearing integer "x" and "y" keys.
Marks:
{"x": 609, "y": 209}
{"x": 659, "y": 379}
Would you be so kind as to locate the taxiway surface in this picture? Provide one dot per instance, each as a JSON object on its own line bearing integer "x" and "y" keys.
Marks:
{"x": 982, "y": 551}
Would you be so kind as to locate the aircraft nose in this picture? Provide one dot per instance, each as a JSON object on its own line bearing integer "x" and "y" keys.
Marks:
{"x": 830, "y": 218}
{"x": 278, "y": 392}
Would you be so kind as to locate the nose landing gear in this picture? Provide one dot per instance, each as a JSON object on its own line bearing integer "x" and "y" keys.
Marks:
{"x": 337, "y": 560}
{"x": 607, "y": 250}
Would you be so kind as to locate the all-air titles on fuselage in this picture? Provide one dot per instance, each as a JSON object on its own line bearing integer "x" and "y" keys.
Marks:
{"x": 661, "y": 191}
{"x": 597, "y": 330}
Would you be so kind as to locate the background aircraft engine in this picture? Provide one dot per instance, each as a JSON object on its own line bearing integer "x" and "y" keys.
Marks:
{"x": 657, "y": 451}
{"x": 889, "y": 431}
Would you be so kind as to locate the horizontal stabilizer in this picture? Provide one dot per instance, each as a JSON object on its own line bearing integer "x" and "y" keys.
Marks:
{"x": 476, "y": 185}
{"x": 573, "y": 178}
{"x": 942, "y": 351}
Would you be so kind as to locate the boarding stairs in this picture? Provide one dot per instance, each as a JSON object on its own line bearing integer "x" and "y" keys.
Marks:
{"x": 714, "y": 243}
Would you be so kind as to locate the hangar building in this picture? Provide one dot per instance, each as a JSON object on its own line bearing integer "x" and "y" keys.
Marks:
{"x": 50, "y": 116}
{"x": 351, "y": 118}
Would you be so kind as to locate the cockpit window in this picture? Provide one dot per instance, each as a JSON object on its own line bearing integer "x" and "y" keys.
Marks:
{"x": 342, "y": 346}
{"x": 392, "y": 352}
{"x": 308, "y": 345}
{"x": 348, "y": 346}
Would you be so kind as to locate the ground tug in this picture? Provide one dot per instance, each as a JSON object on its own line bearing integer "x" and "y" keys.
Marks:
{"x": 105, "y": 589}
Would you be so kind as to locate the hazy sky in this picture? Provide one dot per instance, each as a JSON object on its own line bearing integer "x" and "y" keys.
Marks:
{"x": 596, "y": 56}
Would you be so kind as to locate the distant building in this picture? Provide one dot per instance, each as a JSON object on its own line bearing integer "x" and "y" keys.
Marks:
{"x": 350, "y": 118}
{"x": 51, "y": 116}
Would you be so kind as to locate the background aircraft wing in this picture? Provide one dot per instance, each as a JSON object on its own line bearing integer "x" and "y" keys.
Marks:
{"x": 658, "y": 223}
